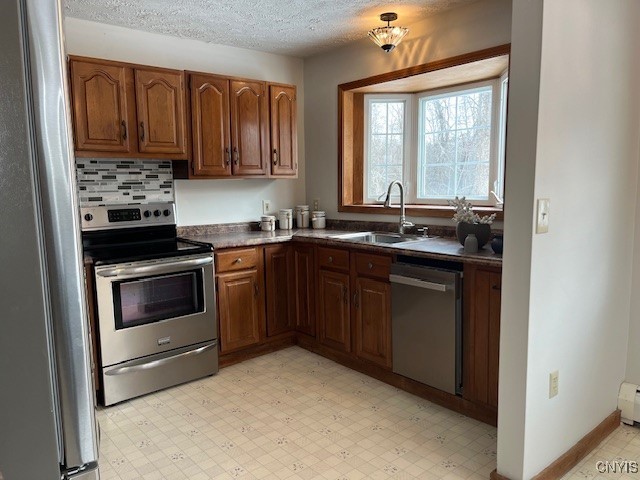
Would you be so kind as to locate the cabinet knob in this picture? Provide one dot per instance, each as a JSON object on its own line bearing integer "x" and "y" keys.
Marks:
{"x": 238, "y": 260}
{"x": 370, "y": 265}
{"x": 330, "y": 259}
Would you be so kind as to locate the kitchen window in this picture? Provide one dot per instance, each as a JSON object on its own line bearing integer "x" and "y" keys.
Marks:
{"x": 440, "y": 144}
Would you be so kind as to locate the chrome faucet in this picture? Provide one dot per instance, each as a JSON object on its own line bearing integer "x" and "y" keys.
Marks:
{"x": 403, "y": 223}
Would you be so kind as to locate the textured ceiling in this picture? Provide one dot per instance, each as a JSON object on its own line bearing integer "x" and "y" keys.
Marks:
{"x": 290, "y": 27}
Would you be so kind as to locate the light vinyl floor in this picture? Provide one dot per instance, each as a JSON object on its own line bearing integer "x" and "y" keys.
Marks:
{"x": 291, "y": 415}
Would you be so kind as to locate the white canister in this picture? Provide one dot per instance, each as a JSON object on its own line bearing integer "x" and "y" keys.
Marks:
{"x": 318, "y": 219}
{"x": 286, "y": 218}
{"x": 302, "y": 216}
{"x": 268, "y": 223}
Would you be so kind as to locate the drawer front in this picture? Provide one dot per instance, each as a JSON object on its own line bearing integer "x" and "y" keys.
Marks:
{"x": 373, "y": 265}
{"x": 237, "y": 259}
{"x": 333, "y": 258}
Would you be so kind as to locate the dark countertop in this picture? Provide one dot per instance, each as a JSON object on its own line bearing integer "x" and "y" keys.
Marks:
{"x": 436, "y": 248}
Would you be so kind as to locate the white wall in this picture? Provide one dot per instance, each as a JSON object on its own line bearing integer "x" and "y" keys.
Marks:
{"x": 522, "y": 124}
{"x": 586, "y": 160}
{"x": 633, "y": 350}
{"x": 204, "y": 201}
{"x": 460, "y": 30}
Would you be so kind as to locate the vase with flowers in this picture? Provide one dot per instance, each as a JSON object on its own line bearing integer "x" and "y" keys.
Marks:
{"x": 469, "y": 222}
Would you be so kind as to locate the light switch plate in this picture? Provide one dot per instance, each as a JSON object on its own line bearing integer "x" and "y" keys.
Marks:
{"x": 266, "y": 207}
{"x": 554, "y": 378}
{"x": 542, "y": 223}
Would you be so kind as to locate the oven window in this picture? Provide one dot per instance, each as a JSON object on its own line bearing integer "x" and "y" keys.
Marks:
{"x": 151, "y": 299}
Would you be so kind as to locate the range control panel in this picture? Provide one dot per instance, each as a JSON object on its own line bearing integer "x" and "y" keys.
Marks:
{"x": 120, "y": 216}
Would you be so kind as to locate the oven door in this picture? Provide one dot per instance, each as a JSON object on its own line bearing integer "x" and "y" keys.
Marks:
{"x": 149, "y": 307}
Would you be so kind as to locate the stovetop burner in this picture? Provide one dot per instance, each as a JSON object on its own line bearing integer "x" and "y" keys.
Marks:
{"x": 123, "y": 234}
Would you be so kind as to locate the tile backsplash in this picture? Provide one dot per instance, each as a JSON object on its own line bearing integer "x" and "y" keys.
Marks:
{"x": 116, "y": 181}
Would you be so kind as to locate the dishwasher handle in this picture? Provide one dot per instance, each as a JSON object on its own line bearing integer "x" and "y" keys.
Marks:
{"x": 415, "y": 282}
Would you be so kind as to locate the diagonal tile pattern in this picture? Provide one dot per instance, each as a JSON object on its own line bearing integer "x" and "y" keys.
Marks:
{"x": 291, "y": 415}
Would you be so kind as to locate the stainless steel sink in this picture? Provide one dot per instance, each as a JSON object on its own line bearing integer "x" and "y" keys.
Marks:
{"x": 375, "y": 237}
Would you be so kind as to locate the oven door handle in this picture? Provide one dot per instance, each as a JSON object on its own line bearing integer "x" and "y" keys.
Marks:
{"x": 160, "y": 362}
{"x": 166, "y": 267}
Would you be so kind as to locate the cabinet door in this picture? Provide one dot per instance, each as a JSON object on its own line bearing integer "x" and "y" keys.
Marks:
{"x": 334, "y": 309}
{"x": 210, "y": 125}
{"x": 284, "y": 135}
{"x": 304, "y": 289}
{"x": 103, "y": 107}
{"x": 249, "y": 128}
{"x": 483, "y": 344}
{"x": 280, "y": 301}
{"x": 162, "y": 120}
{"x": 372, "y": 307}
{"x": 240, "y": 308}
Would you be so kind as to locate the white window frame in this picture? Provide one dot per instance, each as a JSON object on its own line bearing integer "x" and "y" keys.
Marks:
{"x": 412, "y": 145}
{"x": 408, "y": 149}
{"x": 493, "y": 170}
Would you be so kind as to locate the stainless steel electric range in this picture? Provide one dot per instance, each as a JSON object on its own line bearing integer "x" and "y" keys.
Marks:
{"x": 155, "y": 300}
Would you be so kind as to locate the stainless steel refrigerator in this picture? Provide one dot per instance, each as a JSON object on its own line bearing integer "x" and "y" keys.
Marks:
{"x": 48, "y": 427}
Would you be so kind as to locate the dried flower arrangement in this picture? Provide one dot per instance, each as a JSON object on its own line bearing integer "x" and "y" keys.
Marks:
{"x": 464, "y": 212}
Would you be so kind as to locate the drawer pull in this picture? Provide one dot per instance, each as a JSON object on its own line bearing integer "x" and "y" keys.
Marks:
{"x": 370, "y": 265}
{"x": 330, "y": 259}
{"x": 238, "y": 260}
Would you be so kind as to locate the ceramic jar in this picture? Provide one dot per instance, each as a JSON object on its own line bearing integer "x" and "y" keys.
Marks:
{"x": 318, "y": 219}
{"x": 302, "y": 216}
{"x": 286, "y": 218}
{"x": 268, "y": 223}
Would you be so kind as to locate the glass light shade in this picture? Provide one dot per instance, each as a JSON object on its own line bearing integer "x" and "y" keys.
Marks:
{"x": 388, "y": 37}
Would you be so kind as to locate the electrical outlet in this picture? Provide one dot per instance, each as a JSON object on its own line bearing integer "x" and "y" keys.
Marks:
{"x": 316, "y": 204}
{"x": 266, "y": 206}
{"x": 553, "y": 383}
{"x": 542, "y": 223}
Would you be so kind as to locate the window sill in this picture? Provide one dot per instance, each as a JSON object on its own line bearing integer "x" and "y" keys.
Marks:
{"x": 441, "y": 211}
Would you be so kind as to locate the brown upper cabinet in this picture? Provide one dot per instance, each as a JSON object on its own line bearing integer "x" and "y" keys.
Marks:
{"x": 242, "y": 128}
{"x": 103, "y": 107}
{"x": 124, "y": 110}
{"x": 160, "y": 97}
{"x": 249, "y": 127}
{"x": 284, "y": 136}
{"x": 210, "y": 125}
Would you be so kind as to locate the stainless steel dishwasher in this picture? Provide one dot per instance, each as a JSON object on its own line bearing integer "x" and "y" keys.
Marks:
{"x": 426, "y": 306}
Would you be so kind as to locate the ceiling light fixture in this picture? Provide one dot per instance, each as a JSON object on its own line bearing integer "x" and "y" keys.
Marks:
{"x": 388, "y": 37}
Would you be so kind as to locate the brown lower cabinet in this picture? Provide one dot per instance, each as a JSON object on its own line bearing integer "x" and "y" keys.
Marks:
{"x": 333, "y": 310}
{"x": 279, "y": 284}
{"x": 337, "y": 302}
{"x": 304, "y": 289}
{"x": 372, "y": 307}
{"x": 240, "y": 309}
{"x": 481, "y": 349}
